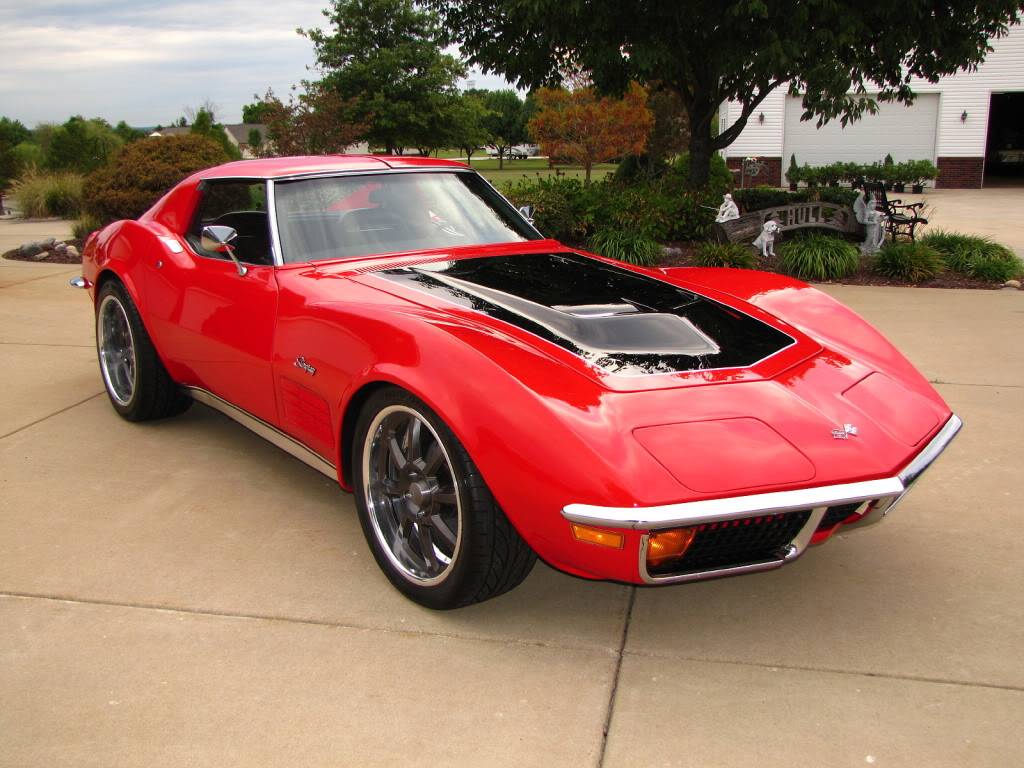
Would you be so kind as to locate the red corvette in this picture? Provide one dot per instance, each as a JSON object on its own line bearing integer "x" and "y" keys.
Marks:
{"x": 491, "y": 396}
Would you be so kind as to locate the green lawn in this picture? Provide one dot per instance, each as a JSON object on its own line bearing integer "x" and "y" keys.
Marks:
{"x": 531, "y": 168}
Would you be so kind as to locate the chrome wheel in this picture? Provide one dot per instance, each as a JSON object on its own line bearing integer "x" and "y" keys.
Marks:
{"x": 411, "y": 495}
{"x": 117, "y": 350}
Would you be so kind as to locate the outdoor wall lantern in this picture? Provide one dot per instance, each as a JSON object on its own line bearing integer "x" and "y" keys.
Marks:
{"x": 963, "y": 116}
{"x": 760, "y": 118}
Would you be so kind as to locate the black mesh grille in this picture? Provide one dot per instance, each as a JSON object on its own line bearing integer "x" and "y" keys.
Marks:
{"x": 737, "y": 542}
{"x": 835, "y": 515}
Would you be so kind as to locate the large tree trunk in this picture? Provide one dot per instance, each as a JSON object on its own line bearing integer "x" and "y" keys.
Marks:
{"x": 587, "y": 166}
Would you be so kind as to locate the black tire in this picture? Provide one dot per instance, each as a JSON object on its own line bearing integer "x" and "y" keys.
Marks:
{"x": 139, "y": 390}
{"x": 473, "y": 552}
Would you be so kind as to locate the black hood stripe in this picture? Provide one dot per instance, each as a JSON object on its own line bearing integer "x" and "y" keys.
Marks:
{"x": 621, "y": 321}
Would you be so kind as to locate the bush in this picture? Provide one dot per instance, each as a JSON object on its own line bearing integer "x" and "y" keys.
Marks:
{"x": 816, "y": 256}
{"x": 40, "y": 195}
{"x": 725, "y": 255}
{"x": 974, "y": 256}
{"x": 559, "y": 207}
{"x": 85, "y": 226}
{"x": 837, "y": 196}
{"x": 912, "y": 262}
{"x": 625, "y": 245}
{"x": 143, "y": 171}
{"x": 756, "y": 198}
{"x": 719, "y": 182}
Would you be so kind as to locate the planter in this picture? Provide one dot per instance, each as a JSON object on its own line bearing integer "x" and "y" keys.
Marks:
{"x": 899, "y": 188}
{"x": 792, "y": 186}
{"x": 917, "y": 189}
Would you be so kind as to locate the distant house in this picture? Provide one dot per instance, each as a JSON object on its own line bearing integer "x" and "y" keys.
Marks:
{"x": 969, "y": 124}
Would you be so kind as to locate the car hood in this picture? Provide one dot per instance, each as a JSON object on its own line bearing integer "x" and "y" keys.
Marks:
{"x": 626, "y": 328}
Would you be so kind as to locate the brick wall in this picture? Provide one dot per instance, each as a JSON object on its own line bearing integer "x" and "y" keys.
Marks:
{"x": 771, "y": 175}
{"x": 960, "y": 172}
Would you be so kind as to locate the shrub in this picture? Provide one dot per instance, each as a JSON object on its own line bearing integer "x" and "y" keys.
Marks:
{"x": 559, "y": 210}
{"x": 143, "y": 171}
{"x": 912, "y": 262}
{"x": 86, "y": 225}
{"x": 756, "y": 198}
{"x": 720, "y": 180}
{"x": 48, "y": 194}
{"x": 725, "y": 255}
{"x": 975, "y": 256}
{"x": 624, "y": 245}
{"x": 837, "y": 195}
{"x": 817, "y": 256}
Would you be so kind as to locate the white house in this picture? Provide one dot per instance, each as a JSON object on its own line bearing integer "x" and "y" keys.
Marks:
{"x": 971, "y": 125}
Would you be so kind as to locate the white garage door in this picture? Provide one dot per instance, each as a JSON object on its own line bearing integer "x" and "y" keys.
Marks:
{"x": 906, "y": 133}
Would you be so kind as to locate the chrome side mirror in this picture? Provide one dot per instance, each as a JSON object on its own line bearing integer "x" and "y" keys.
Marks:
{"x": 219, "y": 240}
{"x": 527, "y": 213}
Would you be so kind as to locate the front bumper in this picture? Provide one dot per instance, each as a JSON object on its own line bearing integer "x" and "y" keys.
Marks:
{"x": 874, "y": 499}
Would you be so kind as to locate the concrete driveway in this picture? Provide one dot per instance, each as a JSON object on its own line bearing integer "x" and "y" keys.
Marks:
{"x": 182, "y": 593}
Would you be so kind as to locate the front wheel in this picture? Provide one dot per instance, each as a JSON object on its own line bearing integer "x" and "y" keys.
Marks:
{"x": 430, "y": 521}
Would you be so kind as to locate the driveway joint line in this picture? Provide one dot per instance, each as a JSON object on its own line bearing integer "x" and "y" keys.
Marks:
{"x": 44, "y": 344}
{"x": 615, "y": 677}
{"x": 213, "y": 613}
{"x": 829, "y": 670}
{"x": 50, "y": 416}
{"x": 971, "y": 384}
{"x": 41, "y": 277}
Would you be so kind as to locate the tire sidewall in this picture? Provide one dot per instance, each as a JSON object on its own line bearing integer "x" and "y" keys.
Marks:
{"x": 114, "y": 289}
{"x": 447, "y": 593}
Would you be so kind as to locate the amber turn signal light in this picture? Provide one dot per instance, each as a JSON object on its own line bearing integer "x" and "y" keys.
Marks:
{"x": 672, "y": 544}
{"x": 597, "y": 536}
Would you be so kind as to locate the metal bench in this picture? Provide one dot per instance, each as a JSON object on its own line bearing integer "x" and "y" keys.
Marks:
{"x": 748, "y": 226}
{"x": 901, "y": 219}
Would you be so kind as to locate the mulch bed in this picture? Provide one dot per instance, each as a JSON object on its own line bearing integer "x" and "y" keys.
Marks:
{"x": 863, "y": 276}
{"x": 52, "y": 257}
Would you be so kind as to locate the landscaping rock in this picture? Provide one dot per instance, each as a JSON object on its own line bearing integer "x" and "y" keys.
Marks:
{"x": 671, "y": 253}
{"x": 60, "y": 247}
{"x": 1012, "y": 284}
{"x": 49, "y": 243}
{"x": 72, "y": 252}
{"x": 41, "y": 256}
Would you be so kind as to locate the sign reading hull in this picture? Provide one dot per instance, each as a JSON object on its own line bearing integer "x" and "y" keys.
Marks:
{"x": 620, "y": 321}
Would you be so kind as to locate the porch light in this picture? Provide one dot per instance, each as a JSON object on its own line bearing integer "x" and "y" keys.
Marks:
{"x": 963, "y": 116}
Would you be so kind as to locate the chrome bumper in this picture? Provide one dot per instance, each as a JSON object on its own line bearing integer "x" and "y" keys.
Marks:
{"x": 886, "y": 492}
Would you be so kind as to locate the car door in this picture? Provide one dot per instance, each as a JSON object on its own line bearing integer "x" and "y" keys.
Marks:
{"x": 215, "y": 319}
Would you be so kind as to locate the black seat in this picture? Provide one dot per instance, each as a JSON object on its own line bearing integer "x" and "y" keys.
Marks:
{"x": 901, "y": 218}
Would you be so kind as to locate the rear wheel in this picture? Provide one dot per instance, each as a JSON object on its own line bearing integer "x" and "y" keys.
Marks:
{"x": 136, "y": 381}
{"x": 432, "y": 524}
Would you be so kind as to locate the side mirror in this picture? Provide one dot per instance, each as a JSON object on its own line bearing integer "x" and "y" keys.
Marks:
{"x": 219, "y": 240}
{"x": 527, "y": 212}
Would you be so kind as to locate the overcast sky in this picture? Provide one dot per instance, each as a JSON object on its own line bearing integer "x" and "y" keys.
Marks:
{"x": 145, "y": 62}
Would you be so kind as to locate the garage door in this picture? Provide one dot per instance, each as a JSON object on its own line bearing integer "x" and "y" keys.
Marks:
{"x": 906, "y": 133}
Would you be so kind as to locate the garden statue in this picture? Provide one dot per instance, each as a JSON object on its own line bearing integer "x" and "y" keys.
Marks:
{"x": 727, "y": 211}
{"x": 766, "y": 240}
{"x": 865, "y": 208}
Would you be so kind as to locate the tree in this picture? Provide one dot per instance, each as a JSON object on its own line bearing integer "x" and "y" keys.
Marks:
{"x": 81, "y": 145}
{"x": 127, "y": 133}
{"x": 203, "y": 125}
{"x": 12, "y": 133}
{"x": 383, "y": 60}
{"x": 842, "y": 57}
{"x": 506, "y": 122}
{"x": 468, "y": 124}
{"x": 314, "y": 123}
{"x": 586, "y": 129}
{"x": 255, "y": 112}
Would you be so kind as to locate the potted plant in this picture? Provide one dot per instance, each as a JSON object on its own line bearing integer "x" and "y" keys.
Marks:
{"x": 900, "y": 174}
{"x": 830, "y": 174}
{"x": 793, "y": 173}
{"x": 922, "y": 170}
{"x": 811, "y": 175}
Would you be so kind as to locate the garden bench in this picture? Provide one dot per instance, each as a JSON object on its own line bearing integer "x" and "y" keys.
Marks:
{"x": 901, "y": 219}
{"x": 789, "y": 217}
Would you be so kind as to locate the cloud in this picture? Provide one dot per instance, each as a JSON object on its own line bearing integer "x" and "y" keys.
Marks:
{"x": 130, "y": 61}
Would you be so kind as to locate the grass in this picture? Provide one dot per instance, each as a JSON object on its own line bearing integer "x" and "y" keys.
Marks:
{"x": 625, "y": 246}
{"x": 41, "y": 195}
{"x": 974, "y": 256}
{"x": 816, "y": 256}
{"x": 736, "y": 255}
{"x": 912, "y": 262}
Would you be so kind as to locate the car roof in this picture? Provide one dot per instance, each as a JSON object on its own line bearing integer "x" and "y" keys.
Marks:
{"x": 279, "y": 167}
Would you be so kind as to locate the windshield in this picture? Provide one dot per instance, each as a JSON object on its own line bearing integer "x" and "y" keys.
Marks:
{"x": 347, "y": 216}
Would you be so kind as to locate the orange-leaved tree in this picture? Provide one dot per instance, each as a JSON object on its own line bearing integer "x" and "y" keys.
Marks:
{"x": 581, "y": 127}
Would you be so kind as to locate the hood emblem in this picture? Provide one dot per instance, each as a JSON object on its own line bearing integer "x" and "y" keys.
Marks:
{"x": 302, "y": 365}
{"x": 844, "y": 432}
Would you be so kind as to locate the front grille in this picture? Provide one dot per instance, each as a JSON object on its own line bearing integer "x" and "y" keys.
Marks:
{"x": 737, "y": 542}
{"x": 835, "y": 515}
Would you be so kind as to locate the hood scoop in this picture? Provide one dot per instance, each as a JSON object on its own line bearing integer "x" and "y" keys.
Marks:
{"x": 623, "y": 322}
{"x": 601, "y": 329}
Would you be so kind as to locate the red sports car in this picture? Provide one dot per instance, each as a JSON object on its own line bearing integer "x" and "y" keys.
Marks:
{"x": 490, "y": 395}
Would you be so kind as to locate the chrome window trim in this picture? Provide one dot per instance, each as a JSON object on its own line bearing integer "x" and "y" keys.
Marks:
{"x": 716, "y": 510}
{"x": 275, "y": 234}
{"x": 268, "y": 432}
